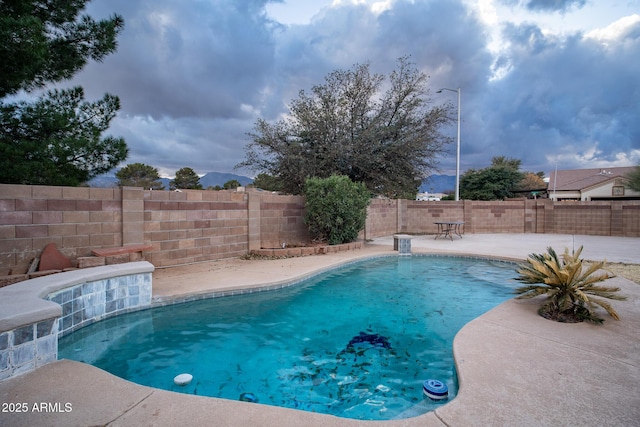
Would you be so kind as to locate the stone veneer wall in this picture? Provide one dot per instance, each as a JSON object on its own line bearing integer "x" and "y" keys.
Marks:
{"x": 30, "y": 340}
{"x": 25, "y": 348}
{"x": 90, "y": 302}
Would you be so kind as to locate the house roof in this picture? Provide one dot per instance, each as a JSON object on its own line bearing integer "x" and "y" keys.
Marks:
{"x": 579, "y": 179}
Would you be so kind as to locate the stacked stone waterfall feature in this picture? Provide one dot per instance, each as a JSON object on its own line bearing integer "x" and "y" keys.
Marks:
{"x": 402, "y": 244}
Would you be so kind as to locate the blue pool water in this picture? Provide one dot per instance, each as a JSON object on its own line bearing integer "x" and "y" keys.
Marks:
{"x": 298, "y": 347}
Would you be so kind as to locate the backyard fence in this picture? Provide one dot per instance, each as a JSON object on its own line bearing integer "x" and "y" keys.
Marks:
{"x": 200, "y": 225}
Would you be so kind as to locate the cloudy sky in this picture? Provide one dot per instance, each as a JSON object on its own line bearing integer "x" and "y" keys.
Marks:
{"x": 545, "y": 81}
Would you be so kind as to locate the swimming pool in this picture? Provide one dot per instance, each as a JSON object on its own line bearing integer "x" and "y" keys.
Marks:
{"x": 299, "y": 348}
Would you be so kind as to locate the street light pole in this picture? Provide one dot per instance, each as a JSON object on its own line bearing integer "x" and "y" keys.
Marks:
{"x": 458, "y": 145}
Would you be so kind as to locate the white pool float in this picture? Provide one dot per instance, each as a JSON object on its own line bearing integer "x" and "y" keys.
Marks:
{"x": 183, "y": 379}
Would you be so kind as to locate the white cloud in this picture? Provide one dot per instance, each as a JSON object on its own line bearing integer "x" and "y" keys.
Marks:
{"x": 591, "y": 159}
{"x": 618, "y": 29}
{"x": 381, "y": 6}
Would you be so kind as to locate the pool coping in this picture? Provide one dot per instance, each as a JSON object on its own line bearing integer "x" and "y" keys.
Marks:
{"x": 494, "y": 390}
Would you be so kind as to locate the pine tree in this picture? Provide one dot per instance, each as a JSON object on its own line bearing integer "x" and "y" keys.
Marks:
{"x": 139, "y": 175}
{"x": 56, "y": 139}
{"x": 186, "y": 179}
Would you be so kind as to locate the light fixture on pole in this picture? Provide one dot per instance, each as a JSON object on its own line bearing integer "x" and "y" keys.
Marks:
{"x": 458, "y": 147}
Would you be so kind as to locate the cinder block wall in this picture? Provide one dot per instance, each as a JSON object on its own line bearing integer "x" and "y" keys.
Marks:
{"x": 587, "y": 218}
{"x": 76, "y": 219}
{"x": 422, "y": 215}
{"x": 183, "y": 227}
{"x": 282, "y": 220}
{"x": 195, "y": 226}
{"x": 626, "y": 221}
{"x": 382, "y": 219}
{"x": 602, "y": 218}
{"x": 491, "y": 217}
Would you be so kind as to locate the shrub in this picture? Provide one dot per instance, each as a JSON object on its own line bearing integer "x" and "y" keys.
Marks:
{"x": 336, "y": 208}
{"x": 569, "y": 285}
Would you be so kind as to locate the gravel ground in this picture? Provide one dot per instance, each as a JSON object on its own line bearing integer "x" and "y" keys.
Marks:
{"x": 628, "y": 271}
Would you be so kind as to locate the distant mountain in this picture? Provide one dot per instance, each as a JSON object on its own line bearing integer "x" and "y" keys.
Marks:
{"x": 210, "y": 179}
{"x": 432, "y": 184}
{"x": 438, "y": 184}
{"x": 103, "y": 181}
{"x": 166, "y": 182}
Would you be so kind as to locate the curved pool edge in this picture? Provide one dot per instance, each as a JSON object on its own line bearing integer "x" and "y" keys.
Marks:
{"x": 25, "y": 302}
{"x": 253, "y": 286}
{"x": 517, "y": 368}
{"x": 35, "y": 313}
{"x": 167, "y": 291}
{"x": 489, "y": 352}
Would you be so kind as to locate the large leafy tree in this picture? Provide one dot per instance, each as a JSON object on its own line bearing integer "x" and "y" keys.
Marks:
{"x": 56, "y": 139}
{"x": 139, "y": 175}
{"x": 380, "y": 131}
{"x": 496, "y": 182}
{"x": 186, "y": 179}
{"x": 532, "y": 181}
{"x": 634, "y": 179}
{"x": 266, "y": 182}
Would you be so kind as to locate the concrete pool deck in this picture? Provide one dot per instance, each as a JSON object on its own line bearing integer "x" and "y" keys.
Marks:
{"x": 514, "y": 367}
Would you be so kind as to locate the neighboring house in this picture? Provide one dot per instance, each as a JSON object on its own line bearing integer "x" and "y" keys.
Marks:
{"x": 430, "y": 197}
{"x": 591, "y": 184}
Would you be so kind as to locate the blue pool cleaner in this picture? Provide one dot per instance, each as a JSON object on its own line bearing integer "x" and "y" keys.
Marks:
{"x": 248, "y": 397}
{"x": 435, "y": 390}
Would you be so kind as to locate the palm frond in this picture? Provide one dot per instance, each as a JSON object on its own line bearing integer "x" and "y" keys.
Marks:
{"x": 581, "y": 296}
{"x": 589, "y": 280}
{"x": 527, "y": 292}
{"x": 606, "y": 306}
{"x": 604, "y": 292}
{"x": 554, "y": 256}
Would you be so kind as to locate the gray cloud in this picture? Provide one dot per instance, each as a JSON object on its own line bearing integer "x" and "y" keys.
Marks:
{"x": 568, "y": 98}
{"x": 178, "y": 60}
{"x": 547, "y": 5}
{"x": 194, "y": 76}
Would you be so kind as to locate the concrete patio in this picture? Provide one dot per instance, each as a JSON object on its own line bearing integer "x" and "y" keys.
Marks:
{"x": 514, "y": 367}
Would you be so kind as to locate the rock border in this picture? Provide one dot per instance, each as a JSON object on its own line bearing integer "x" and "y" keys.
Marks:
{"x": 306, "y": 250}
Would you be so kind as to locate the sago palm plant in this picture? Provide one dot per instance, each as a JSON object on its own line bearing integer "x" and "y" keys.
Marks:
{"x": 570, "y": 286}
